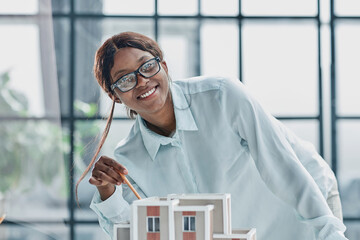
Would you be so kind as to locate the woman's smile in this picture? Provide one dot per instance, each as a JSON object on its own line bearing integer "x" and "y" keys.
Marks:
{"x": 148, "y": 94}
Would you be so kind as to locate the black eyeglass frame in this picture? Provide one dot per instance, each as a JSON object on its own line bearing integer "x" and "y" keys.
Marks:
{"x": 136, "y": 72}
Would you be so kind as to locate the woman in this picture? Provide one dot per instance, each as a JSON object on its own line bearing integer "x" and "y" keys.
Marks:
{"x": 207, "y": 135}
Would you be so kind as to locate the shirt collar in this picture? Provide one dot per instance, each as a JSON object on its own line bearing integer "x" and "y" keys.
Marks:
{"x": 184, "y": 122}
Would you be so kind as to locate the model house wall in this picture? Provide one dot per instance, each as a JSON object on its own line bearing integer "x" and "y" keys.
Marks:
{"x": 182, "y": 217}
{"x": 222, "y": 208}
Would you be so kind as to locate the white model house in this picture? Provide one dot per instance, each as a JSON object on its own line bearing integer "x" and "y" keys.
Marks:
{"x": 182, "y": 217}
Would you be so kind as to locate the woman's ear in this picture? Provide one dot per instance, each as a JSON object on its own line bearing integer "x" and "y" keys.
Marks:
{"x": 164, "y": 65}
{"x": 114, "y": 97}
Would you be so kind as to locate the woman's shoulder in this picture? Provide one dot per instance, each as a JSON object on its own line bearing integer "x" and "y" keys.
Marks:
{"x": 200, "y": 84}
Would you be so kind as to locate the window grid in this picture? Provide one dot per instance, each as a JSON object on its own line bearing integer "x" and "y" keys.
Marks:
{"x": 71, "y": 118}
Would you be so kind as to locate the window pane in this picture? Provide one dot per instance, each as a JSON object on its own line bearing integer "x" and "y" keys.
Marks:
{"x": 21, "y": 76}
{"x": 174, "y": 7}
{"x": 150, "y": 224}
{"x": 87, "y": 136}
{"x": 62, "y": 6}
{"x": 279, "y": 7}
{"x": 192, "y": 223}
{"x": 220, "y": 48}
{"x": 178, "y": 39}
{"x": 90, "y": 35}
{"x": 349, "y": 169}
{"x": 19, "y": 7}
{"x": 349, "y": 151}
{"x": 186, "y": 223}
{"x": 347, "y": 7}
{"x": 307, "y": 130}
{"x": 29, "y": 86}
{"x": 157, "y": 224}
{"x": 133, "y": 7}
{"x": 280, "y": 65}
{"x": 347, "y": 67}
{"x": 224, "y": 7}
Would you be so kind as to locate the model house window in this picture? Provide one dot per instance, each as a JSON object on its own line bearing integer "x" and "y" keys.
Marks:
{"x": 153, "y": 224}
{"x": 189, "y": 224}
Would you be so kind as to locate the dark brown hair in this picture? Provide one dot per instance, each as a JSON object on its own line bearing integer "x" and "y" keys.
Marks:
{"x": 103, "y": 63}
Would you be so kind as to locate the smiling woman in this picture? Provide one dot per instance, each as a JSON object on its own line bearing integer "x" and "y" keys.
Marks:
{"x": 122, "y": 54}
{"x": 174, "y": 147}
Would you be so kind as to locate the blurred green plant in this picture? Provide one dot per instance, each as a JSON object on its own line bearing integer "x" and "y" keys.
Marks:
{"x": 87, "y": 109}
{"x": 11, "y": 103}
{"x": 30, "y": 150}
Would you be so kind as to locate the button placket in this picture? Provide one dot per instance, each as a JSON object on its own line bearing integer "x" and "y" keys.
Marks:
{"x": 184, "y": 165}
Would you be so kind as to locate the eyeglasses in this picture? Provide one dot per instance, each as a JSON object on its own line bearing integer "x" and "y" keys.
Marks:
{"x": 129, "y": 81}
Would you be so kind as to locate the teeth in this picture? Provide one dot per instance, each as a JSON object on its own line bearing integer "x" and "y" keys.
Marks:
{"x": 147, "y": 93}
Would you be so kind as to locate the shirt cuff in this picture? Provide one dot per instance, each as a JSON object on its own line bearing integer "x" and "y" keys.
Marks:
{"x": 114, "y": 206}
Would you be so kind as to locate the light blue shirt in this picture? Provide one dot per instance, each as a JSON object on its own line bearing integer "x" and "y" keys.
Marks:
{"x": 225, "y": 142}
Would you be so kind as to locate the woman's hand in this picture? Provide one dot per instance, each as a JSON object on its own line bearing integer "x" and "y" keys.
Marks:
{"x": 106, "y": 174}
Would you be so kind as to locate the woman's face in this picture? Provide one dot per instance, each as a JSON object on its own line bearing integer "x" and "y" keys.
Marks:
{"x": 150, "y": 94}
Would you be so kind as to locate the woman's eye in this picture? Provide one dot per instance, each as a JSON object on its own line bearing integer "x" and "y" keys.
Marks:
{"x": 126, "y": 79}
{"x": 147, "y": 67}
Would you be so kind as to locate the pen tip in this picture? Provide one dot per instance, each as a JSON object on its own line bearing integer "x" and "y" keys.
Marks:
{"x": 2, "y": 218}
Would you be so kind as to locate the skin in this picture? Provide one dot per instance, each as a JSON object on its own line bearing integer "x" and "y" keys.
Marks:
{"x": 157, "y": 109}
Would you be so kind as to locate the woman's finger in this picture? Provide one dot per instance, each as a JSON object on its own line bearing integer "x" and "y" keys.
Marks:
{"x": 96, "y": 182}
{"x": 109, "y": 171}
{"x": 112, "y": 163}
{"x": 103, "y": 176}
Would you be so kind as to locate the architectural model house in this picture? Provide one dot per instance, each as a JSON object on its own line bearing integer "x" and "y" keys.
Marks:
{"x": 182, "y": 217}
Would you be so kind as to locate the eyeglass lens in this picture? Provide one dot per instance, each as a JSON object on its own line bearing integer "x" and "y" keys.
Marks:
{"x": 149, "y": 68}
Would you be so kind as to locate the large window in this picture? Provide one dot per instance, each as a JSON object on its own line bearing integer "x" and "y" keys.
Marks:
{"x": 299, "y": 58}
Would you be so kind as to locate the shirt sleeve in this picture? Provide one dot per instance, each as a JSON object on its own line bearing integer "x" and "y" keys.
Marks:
{"x": 115, "y": 209}
{"x": 277, "y": 162}
{"x": 312, "y": 161}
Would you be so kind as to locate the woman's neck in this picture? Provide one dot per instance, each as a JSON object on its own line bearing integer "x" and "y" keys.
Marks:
{"x": 164, "y": 122}
{"x": 164, "y": 130}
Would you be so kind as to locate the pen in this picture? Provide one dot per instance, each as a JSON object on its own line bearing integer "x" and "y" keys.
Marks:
{"x": 130, "y": 186}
